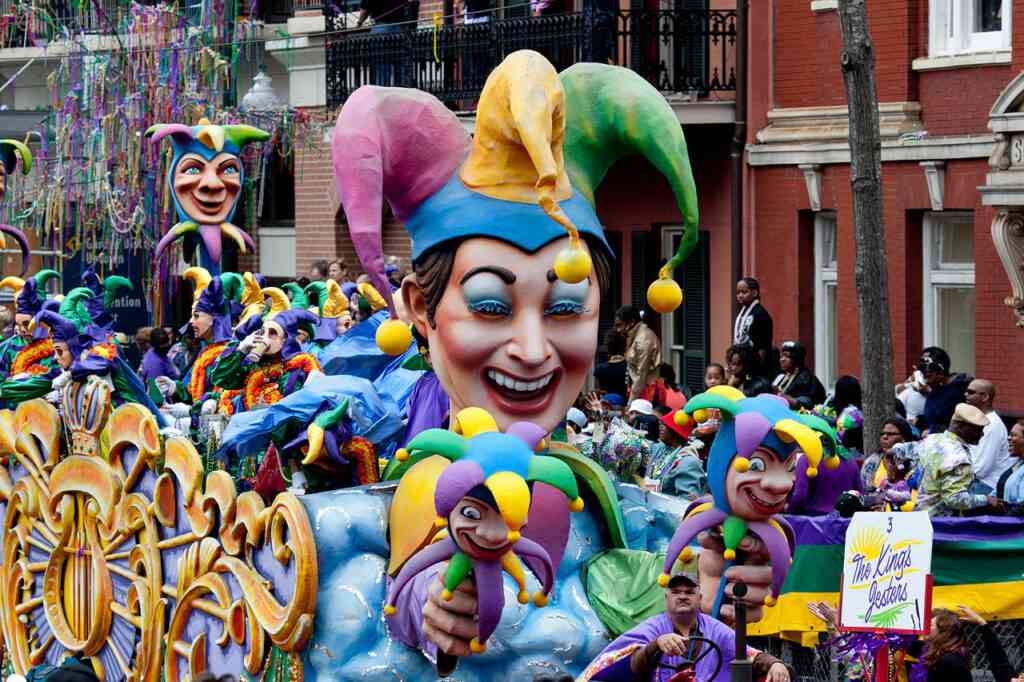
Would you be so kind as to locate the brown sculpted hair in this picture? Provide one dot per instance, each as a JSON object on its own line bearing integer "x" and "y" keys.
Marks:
{"x": 434, "y": 269}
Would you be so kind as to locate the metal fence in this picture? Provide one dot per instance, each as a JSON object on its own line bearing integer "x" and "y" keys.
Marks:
{"x": 818, "y": 665}
{"x": 28, "y": 23}
{"x": 687, "y": 51}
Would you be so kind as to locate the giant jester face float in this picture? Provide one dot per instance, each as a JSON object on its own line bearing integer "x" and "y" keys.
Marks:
{"x": 508, "y": 251}
{"x": 206, "y": 177}
{"x": 751, "y": 473}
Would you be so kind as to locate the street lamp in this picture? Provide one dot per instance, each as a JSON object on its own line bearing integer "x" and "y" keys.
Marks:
{"x": 261, "y": 97}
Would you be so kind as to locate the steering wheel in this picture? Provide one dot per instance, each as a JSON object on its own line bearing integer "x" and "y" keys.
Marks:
{"x": 687, "y": 670}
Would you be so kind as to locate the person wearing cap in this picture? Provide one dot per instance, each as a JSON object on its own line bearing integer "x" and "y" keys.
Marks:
{"x": 652, "y": 649}
{"x": 576, "y": 420}
{"x": 945, "y": 464}
{"x": 796, "y": 380}
{"x": 943, "y": 392}
{"x": 675, "y": 467}
{"x": 643, "y": 351}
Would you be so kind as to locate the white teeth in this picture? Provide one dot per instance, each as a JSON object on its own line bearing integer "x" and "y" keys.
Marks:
{"x": 508, "y": 382}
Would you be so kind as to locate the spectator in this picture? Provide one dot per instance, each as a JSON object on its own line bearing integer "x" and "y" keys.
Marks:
{"x": 318, "y": 271}
{"x": 576, "y": 421}
{"x": 911, "y": 395}
{"x": 850, "y": 429}
{"x": 845, "y": 393}
{"x": 643, "y": 350}
{"x": 337, "y": 271}
{"x": 945, "y": 463}
{"x": 753, "y": 325}
{"x": 991, "y": 456}
{"x": 611, "y": 374}
{"x": 895, "y": 490}
{"x": 641, "y": 417}
{"x": 742, "y": 362}
{"x": 946, "y": 654}
{"x": 714, "y": 375}
{"x": 675, "y": 467}
{"x": 796, "y": 381}
{"x": 894, "y": 430}
{"x": 155, "y": 362}
{"x": 943, "y": 392}
{"x": 1010, "y": 487}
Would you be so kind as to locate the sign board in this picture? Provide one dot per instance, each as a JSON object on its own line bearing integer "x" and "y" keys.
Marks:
{"x": 130, "y": 309}
{"x": 887, "y": 582}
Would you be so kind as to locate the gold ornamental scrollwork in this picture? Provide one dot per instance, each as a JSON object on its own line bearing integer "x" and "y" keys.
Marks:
{"x": 116, "y": 544}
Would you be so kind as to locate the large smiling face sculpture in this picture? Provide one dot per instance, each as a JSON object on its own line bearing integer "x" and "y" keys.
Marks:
{"x": 206, "y": 177}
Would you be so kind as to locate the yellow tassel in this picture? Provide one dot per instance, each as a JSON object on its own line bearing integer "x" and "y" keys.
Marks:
{"x": 742, "y": 465}
{"x": 446, "y": 594}
{"x": 576, "y": 505}
{"x": 440, "y": 522}
{"x": 540, "y": 600}
{"x": 729, "y": 555}
{"x": 663, "y": 579}
{"x": 401, "y": 454}
{"x": 389, "y": 610}
{"x": 812, "y": 472}
{"x": 514, "y": 535}
{"x": 769, "y": 600}
{"x": 524, "y": 597}
{"x": 476, "y": 647}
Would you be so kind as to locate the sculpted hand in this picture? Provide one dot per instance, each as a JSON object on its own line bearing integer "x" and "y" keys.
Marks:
{"x": 450, "y": 624}
{"x": 752, "y": 567}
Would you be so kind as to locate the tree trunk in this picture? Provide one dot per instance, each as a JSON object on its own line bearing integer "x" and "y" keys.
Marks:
{"x": 871, "y": 262}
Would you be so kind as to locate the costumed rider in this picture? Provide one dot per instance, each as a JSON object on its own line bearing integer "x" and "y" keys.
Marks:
{"x": 332, "y": 307}
{"x": 299, "y": 300}
{"x": 260, "y": 370}
{"x": 86, "y": 356}
{"x": 509, "y": 262}
{"x": 104, "y": 292}
{"x": 206, "y": 176}
{"x": 26, "y": 359}
{"x": 211, "y": 325}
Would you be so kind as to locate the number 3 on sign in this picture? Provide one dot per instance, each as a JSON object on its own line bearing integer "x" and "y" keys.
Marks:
{"x": 889, "y": 529}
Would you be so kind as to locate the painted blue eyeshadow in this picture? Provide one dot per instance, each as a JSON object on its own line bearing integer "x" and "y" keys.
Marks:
{"x": 486, "y": 294}
{"x": 568, "y": 299}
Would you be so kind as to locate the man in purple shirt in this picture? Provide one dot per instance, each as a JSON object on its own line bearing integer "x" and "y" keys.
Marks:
{"x": 654, "y": 648}
{"x": 155, "y": 362}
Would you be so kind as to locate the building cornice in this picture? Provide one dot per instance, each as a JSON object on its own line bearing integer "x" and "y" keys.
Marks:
{"x": 924, "y": 149}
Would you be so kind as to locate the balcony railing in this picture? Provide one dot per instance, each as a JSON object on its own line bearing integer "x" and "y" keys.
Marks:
{"x": 32, "y": 23}
{"x": 678, "y": 51}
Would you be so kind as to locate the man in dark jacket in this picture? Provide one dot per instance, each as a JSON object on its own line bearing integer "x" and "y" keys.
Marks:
{"x": 944, "y": 392}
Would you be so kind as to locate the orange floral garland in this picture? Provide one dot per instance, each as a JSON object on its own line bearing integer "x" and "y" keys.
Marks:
{"x": 29, "y": 358}
{"x": 261, "y": 386}
{"x": 197, "y": 382}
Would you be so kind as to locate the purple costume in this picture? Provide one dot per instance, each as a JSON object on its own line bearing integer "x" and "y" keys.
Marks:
{"x": 428, "y": 406}
{"x": 607, "y": 668}
{"x": 155, "y": 365}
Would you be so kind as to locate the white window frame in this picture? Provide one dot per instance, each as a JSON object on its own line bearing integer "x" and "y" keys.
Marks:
{"x": 277, "y": 250}
{"x": 668, "y": 333}
{"x": 949, "y": 276}
{"x": 950, "y": 29}
{"x": 825, "y": 276}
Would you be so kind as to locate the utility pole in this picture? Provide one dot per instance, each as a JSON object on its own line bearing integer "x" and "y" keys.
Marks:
{"x": 871, "y": 263}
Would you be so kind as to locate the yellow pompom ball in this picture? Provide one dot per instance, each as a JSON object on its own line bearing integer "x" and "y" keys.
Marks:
{"x": 769, "y": 600}
{"x": 576, "y": 505}
{"x": 393, "y": 337}
{"x": 812, "y": 472}
{"x": 686, "y": 555}
{"x": 832, "y": 462}
{"x": 701, "y": 416}
{"x": 729, "y": 555}
{"x": 741, "y": 464}
{"x": 572, "y": 265}
{"x": 524, "y": 597}
{"x": 681, "y": 419}
{"x": 476, "y": 647}
{"x": 401, "y": 454}
{"x": 389, "y": 610}
{"x": 540, "y": 600}
{"x": 542, "y": 445}
{"x": 446, "y": 594}
{"x": 514, "y": 535}
{"x": 664, "y": 295}
{"x": 663, "y": 580}
{"x": 440, "y": 522}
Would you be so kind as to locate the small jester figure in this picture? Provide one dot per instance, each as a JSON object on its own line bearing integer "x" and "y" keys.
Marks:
{"x": 29, "y": 352}
{"x": 333, "y": 309}
{"x": 206, "y": 177}
{"x": 11, "y": 153}
{"x": 85, "y": 355}
{"x": 751, "y": 471}
{"x": 104, "y": 292}
{"x": 482, "y": 497}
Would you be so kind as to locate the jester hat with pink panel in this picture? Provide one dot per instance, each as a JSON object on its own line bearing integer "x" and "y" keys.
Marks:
{"x": 543, "y": 142}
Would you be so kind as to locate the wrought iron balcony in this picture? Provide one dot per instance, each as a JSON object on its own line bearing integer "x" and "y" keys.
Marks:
{"x": 679, "y": 51}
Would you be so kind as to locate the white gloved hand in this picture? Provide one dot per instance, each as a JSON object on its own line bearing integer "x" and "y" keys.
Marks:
{"x": 179, "y": 410}
{"x": 53, "y": 397}
{"x": 171, "y": 432}
{"x": 249, "y": 342}
{"x": 166, "y": 386}
{"x": 209, "y": 407}
{"x": 21, "y": 376}
{"x": 62, "y": 380}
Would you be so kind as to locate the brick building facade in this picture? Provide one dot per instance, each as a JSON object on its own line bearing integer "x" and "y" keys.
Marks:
{"x": 938, "y": 77}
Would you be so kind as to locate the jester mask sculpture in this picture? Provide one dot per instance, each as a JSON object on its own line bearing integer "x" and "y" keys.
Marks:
{"x": 206, "y": 177}
{"x": 750, "y": 472}
{"x": 13, "y": 152}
